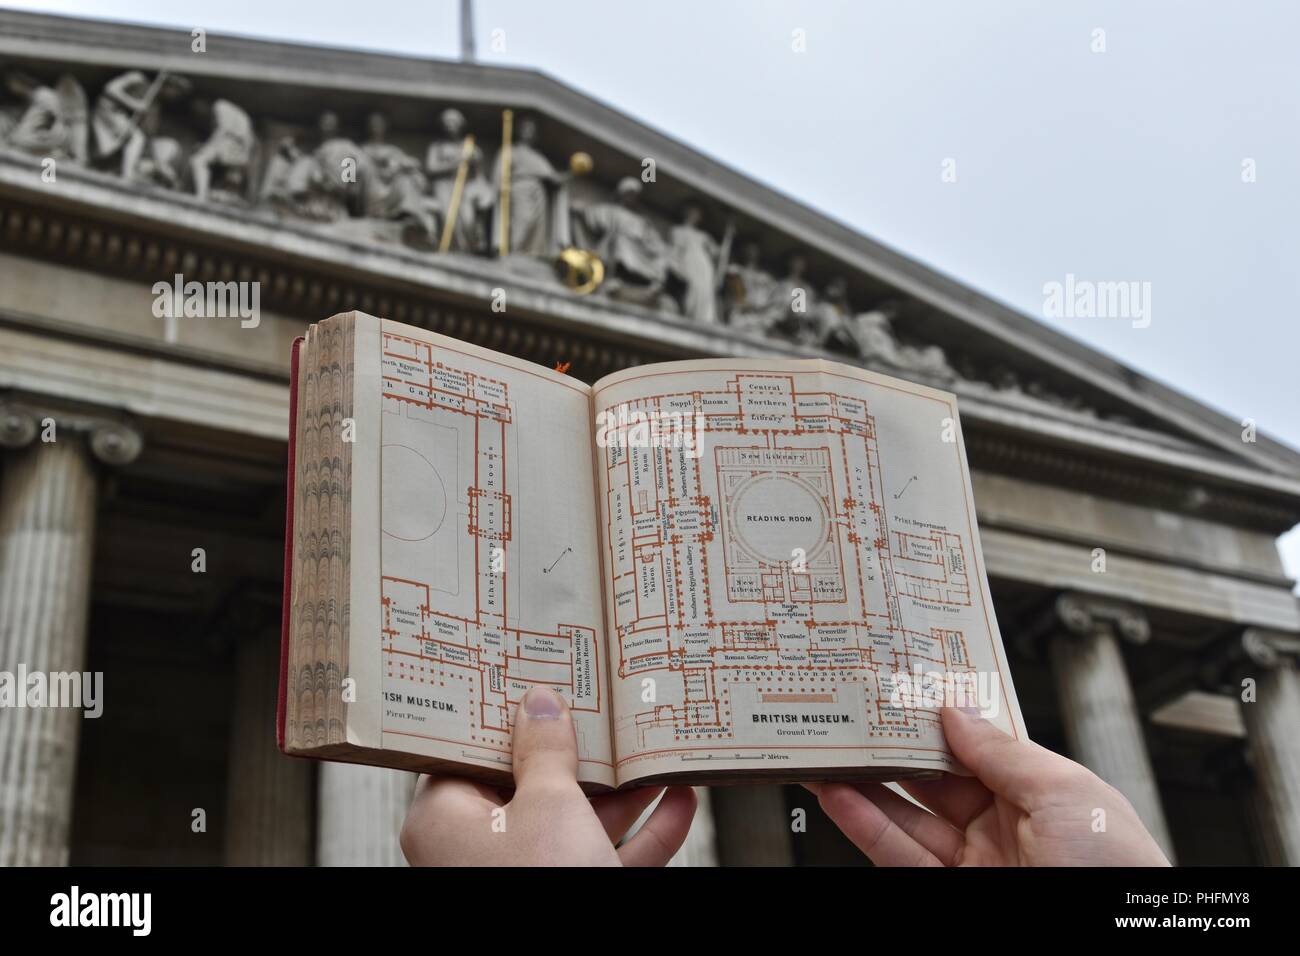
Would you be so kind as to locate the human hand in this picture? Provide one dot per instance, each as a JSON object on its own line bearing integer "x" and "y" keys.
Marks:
{"x": 1024, "y": 806}
{"x": 548, "y": 820}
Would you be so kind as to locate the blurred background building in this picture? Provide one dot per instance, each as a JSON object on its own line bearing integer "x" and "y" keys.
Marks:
{"x": 1129, "y": 532}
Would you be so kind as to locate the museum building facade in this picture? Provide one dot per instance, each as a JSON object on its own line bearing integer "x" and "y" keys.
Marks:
{"x": 1129, "y": 532}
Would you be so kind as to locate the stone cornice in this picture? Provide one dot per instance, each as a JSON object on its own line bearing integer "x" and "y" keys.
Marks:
{"x": 1172, "y": 481}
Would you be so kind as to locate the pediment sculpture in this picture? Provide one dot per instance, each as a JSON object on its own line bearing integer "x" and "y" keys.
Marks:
{"x": 519, "y": 208}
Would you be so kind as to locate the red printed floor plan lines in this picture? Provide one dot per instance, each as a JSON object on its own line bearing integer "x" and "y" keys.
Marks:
{"x": 461, "y": 645}
{"x": 773, "y": 566}
{"x": 935, "y": 567}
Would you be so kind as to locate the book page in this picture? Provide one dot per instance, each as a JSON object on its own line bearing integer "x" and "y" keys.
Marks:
{"x": 793, "y": 570}
{"x": 485, "y": 547}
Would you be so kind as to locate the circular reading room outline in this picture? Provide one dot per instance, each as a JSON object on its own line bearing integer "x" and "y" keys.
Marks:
{"x": 413, "y": 498}
{"x": 781, "y": 495}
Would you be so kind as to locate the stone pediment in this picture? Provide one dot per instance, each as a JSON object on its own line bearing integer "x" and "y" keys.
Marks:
{"x": 470, "y": 179}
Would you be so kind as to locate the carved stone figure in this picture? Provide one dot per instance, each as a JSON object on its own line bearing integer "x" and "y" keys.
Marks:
{"x": 126, "y": 116}
{"x": 1070, "y": 403}
{"x": 532, "y": 178}
{"x": 634, "y": 254}
{"x": 443, "y": 163}
{"x": 1006, "y": 383}
{"x": 221, "y": 166}
{"x": 55, "y": 123}
{"x": 750, "y": 292}
{"x": 395, "y": 185}
{"x": 161, "y": 164}
{"x": 476, "y": 204}
{"x": 276, "y": 180}
{"x": 792, "y": 312}
{"x": 874, "y": 336}
{"x": 694, "y": 258}
{"x": 832, "y": 317}
{"x": 338, "y": 168}
{"x": 324, "y": 185}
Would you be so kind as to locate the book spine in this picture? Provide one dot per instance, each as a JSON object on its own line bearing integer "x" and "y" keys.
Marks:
{"x": 282, "y": 696}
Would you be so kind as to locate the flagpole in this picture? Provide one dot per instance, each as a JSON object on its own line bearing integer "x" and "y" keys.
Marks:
{"x": 467, "y": 31}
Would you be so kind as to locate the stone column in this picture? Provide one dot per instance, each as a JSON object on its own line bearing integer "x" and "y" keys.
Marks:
{"x": 47, "y": 530}
{"x": 360, "y": 811}
{"x": 1272, "y": 718}
{"x": 269, "y": 797}
{"x": 753, "y": 826}
{"x": 1102, "y": 723}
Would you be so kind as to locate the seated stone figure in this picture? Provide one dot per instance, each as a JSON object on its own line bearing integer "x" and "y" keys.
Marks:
{"x": 833, "y": 318}
{"x": 323, "y": 185}
{"x": 395, "y": 187}
{"x": 634, "y": 254}
{"x": 54, "y": 123}
{"x": 794, "y": 312}
{"x": 750, "y": 291}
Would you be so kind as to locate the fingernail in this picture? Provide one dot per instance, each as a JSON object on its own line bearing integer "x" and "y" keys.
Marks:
{"x": 970, "y": 711}
{"x": 543, "y": 703}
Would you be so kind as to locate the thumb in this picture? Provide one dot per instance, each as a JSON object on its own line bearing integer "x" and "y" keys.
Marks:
{"x": 545, "y": 748}
{"x": 1006, "y": 766}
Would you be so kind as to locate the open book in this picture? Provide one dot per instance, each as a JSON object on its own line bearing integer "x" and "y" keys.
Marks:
{"x": 732, "y": 569}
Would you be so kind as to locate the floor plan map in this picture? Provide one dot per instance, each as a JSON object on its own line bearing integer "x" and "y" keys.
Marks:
{"x": 769, "y": 582}
{"x": 729, "y": 568}
{"x": 485, "y": 577}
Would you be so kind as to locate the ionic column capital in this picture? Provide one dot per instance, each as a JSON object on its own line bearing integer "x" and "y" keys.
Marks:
{"x": 113, "y": 441}
{"x": 1265, "y": 647}
{"x": 1076, "y": 614}
{"x": 1255, "y": 648}
{"x": 1083, "y": 615}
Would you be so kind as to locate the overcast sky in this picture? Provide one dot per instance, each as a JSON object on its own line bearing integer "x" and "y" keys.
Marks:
{"x": 1125, "y": 164}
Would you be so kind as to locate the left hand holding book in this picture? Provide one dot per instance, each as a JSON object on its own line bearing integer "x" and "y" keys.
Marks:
{"x": 547, "y": 820}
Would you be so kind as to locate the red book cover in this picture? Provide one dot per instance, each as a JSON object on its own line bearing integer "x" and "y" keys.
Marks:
{"x": 282, "y": 697}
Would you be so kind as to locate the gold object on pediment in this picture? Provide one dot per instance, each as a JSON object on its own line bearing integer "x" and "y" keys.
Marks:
{"x": 581, "y": 270}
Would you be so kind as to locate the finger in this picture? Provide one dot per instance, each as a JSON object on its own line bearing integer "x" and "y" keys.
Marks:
{"x": 1011, "y": 768}
{"x": 544, "y": 746}
{"x": 920, "y": 824}
{"x": 664, "y": 831}
{"x": 870, "y": 829}
{"x": 959, "y": 800}
{"x": 618, "y": 811}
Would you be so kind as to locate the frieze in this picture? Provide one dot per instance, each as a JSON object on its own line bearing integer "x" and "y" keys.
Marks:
{"x": 481, "y": 194}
